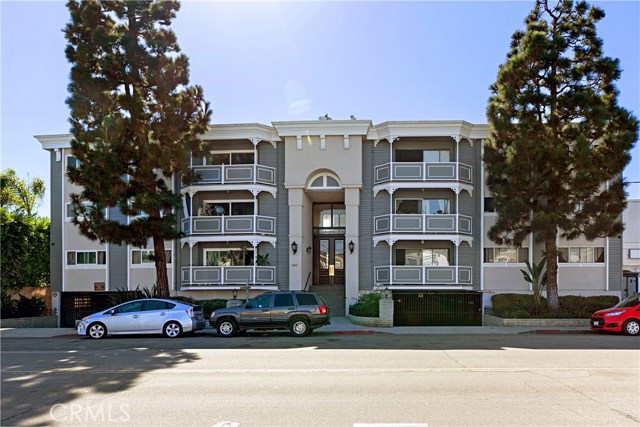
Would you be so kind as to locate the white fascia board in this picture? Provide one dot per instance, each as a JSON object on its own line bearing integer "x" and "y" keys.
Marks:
{"x": 323, "y": 127}
{"x": 428, "y": 129}
{"x": 52, "y": 142}
{"x": 241, "y": 131}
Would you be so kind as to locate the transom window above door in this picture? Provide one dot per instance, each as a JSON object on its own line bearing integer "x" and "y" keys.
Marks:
{"x": 329, "y": 215}
{"x": 231, "y": 158}
{"x": 420, "y": 156}
{"x": 324, "y": 181}
{"x": 422, "y": 206}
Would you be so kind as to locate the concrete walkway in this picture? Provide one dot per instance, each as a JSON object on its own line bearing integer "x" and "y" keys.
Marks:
{"x": 342, "y": 325}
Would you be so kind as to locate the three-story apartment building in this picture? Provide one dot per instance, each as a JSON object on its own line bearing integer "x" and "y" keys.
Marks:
{"x": 338, "y": 206}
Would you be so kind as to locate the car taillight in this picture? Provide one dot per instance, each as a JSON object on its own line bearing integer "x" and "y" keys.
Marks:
{"x": 323, "y": 309}
{"x": 190, "y": 312}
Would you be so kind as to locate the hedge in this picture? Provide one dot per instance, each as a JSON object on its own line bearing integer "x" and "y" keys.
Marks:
{"x": 518, "y": 306}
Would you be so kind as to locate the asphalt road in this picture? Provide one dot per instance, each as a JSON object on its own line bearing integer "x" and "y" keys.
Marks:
{"x": 272, "y": 379}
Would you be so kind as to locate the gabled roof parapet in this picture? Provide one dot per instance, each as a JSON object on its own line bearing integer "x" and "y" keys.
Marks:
{"x": 452, "y": 128}
{"x": 323, "y": 127}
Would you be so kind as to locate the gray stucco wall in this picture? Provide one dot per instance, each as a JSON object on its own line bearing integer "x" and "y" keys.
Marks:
{"x": 470, "y": 205}
{"x": 615, "y": 264}
{"x": 365, "y": 258}
{"x": 117, "y": 256}
{"x": 57, "y": 222}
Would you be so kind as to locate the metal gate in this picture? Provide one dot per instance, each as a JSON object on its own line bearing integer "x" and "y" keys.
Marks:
{"x": 76, "y": 305}
{"x": 437, "y": 308}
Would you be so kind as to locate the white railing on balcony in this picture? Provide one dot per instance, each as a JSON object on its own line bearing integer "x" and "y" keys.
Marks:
{"x": 220, "y": 276}
{"x": 422, "y": 224}
{"x": 235, "y": 174}
{"x": 418, "y": 275}
{"x": 230, "y": 225}
{"x": 422, "y": 172}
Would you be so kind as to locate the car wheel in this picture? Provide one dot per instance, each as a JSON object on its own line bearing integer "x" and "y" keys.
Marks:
{"x": 299, "y": 327}
{"x": 226, "y": 328}
{"x": 631, "y": 327}
{"x": 172, "y": 330}
{"x": 97, "y": 331}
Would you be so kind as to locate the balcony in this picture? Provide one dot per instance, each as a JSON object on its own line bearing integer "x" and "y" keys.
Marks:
{"x": 454, "y": 175}
{"x": 210, "y": 277}
{"x": 418, "y": 275}
{"x": 422, "y": 224}
{"x": 251, "y": 177}
{"x": 230, "y": 225}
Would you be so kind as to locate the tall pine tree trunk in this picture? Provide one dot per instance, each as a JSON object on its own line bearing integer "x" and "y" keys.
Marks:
{"x": 551, "y": 254}
{"x": 160, "y": 258}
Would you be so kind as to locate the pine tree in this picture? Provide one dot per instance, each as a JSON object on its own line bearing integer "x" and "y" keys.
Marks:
{"x": 559, "y": 141}
{"x": 134, "y": 121}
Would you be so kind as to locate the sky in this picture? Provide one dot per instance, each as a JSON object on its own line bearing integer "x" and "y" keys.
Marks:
{"x": 269, "y": 61}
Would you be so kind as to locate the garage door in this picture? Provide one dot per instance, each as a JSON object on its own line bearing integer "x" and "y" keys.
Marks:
{"x": 437, "y": 308}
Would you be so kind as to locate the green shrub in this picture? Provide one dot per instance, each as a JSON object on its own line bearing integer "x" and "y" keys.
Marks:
{"x": 368, "y": 305}
{"x": 520, "y": 306}
{"x": 8, "y": 307}
{"x": 211, "y": 305}
{"x": 29, "y": 307}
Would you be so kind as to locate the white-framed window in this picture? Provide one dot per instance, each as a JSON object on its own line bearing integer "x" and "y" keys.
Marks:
{"x": 423, "y": 206}
{"x": 489, "y": 205}
{"x": 71, "y": 207}
{"x": 409, "y": 206}
{"x": 423, "y": 156}
{"x": 145, "y": 257}
{"x": 231, "y": 257}
{"x": 240, "y": 157}
{"x": 506, "y": 255}
{"x": 634, "y": 253}
{"x": 438, "y": 257}
{"x": 86, "y": 258}
{"x": 219, "y": 208}
{"x": 581, "y": 255}
{"x": 436, "y": 156}
{"x": 72, "y": 162}
{"x": 324, "y": 181}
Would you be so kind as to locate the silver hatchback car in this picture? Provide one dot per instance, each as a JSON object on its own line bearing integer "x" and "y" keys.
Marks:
{"x": 144, "y": 316}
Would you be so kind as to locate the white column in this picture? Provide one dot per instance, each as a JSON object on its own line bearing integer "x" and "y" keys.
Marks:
{"x": 296, "y": 196}
{"x": 352, "y": 234}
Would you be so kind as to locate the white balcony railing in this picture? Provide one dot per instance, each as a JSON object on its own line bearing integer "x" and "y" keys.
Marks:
{"x": 422, "y": 224}
{"x": 220, "y": 276}
{"x": 235, "y": 174}
{"x": 418, "y": 275}
{"x": 230, "y": 225}
{"x": 423, "y": 172}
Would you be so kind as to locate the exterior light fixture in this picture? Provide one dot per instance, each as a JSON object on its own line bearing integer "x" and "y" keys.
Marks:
{"x": 294, "y": 247}
{"x": 234, "y": 292}
{"x": 309, "y": 250}
{"x": 352, "y": 246}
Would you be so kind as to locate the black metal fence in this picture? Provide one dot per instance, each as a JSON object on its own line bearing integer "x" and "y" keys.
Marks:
{"x": 437, "y": 308}
{"x": 76, "y": 305}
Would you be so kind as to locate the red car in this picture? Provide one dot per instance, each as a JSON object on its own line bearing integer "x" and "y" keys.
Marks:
{"x": 622, "y": 317}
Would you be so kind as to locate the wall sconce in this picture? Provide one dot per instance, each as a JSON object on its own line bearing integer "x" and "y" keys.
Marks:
{"x": 352, "y": 246}
{"x": 234, "y": 293}
{"x": 294, "y": 247}
{"x": 309, "y": 250}
{"x": 387, "y": 294}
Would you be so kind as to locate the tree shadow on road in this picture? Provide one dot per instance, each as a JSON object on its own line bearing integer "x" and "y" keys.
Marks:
{"x": 43, "y": 385}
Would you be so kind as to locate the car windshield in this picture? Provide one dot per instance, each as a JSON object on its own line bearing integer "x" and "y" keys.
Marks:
{"x": 629, "y": 302}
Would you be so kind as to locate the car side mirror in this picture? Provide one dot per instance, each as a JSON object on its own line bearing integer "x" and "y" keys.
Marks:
{"x": 248, "y": 306}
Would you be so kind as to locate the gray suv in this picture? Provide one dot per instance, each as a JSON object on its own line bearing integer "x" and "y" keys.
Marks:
{"x": 299, "y": 311}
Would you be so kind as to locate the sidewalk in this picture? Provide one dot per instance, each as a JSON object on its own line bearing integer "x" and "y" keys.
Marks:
{"x": 342, "y": 325}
